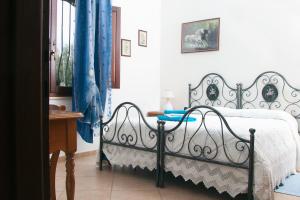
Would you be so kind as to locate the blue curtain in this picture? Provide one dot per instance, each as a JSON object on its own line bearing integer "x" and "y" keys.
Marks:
{"x": 92, "y": 63}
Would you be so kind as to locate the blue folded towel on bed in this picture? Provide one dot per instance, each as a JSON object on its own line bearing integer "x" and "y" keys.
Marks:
{"x": 175, "y": 118}
{"x": 175, "y": 112}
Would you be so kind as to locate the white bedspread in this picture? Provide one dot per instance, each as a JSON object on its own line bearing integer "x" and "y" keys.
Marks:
{"x": 277, "y": 150}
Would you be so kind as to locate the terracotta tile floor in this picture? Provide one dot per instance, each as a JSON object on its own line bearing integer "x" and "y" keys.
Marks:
{"x": 125, "y": 183}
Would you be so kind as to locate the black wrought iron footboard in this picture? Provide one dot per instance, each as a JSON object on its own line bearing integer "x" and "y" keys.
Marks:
{"x": 203, "y": 144}
{"x": 126, "y": 114}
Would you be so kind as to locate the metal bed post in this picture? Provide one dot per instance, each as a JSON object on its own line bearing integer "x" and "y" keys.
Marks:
{"x": 239, "y": 96}
{"x": 101, "y": 143}
{"x": 162, "y": 152}
{"x": 190, "y": 91}
{"x": 158, "y": 154}
{"x": 251, "y": 165}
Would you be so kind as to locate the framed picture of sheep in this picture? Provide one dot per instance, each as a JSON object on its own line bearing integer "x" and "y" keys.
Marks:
{"x": 199, "y": 36}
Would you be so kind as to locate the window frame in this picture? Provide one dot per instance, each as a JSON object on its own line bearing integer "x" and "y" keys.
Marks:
{"x": 116, "y": 50}
{"x": 54, "y": 90}
{"x": 60, "y": 91}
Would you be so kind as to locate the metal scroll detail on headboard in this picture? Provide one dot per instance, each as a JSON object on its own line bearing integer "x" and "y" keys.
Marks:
{"x": 213, "y": 91}
{"x": 270, "y": 90}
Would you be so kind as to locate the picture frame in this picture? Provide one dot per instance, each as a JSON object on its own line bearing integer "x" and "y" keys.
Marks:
{"x": 200, "y": 36}
{"x": 126, "y": 47}
{"x": 142, "y": 38}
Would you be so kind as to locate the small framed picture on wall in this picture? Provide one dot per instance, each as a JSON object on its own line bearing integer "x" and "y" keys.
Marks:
{"x": 142, "y": 38}
{"x": 125, "y": 47}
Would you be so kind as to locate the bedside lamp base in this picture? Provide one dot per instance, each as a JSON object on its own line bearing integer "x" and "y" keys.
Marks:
{"x": 168, "y": 106}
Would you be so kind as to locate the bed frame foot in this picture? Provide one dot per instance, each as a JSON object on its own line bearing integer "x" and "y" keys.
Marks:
{"x": 101, "y": 161}
{"x": 157, "y": 177}
{"x": 250, "y": 197}
{"x": 101, "y": 154}
{"x": 162, "y": 179}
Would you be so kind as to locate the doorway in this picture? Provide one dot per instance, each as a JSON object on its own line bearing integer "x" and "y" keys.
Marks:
{"x": 24, "y": 104}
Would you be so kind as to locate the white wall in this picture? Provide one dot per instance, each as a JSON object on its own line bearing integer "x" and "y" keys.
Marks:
{"x": 255, "y": 36}
{"x": 140, "y": 73}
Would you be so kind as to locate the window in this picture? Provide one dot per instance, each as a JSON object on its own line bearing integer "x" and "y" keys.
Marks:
{"x": 61, "y": 37}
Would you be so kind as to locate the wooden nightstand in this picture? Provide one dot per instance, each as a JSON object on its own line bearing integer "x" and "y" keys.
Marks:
{"x": 63, "y": 137}
{"x": 154, "y": 113}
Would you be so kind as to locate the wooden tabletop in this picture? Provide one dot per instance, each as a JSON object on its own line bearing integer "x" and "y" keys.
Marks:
{"x": 58, "y": 114}
{"x": 154, "y": 113}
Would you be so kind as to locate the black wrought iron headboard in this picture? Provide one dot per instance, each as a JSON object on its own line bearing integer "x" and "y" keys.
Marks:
{"x": 270, "y": 90}
{"x": 213, "y": 90}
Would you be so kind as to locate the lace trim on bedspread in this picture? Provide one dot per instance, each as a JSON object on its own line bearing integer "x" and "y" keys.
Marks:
{"x": 130, "y": 157}
{"x": 224, "y": 179}
{"x": 233, "y": 181}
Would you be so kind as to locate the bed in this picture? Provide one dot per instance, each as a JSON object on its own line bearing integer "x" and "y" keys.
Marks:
{"x": 218, "y": 148}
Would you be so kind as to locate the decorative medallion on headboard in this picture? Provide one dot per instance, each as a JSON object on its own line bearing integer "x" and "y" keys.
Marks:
{"x": 213, "y": 91}
{"x": 270, "y": 90}
{"x": 270, "y": 93}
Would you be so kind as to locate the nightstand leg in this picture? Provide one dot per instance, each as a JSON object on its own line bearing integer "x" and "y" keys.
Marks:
{"x": 70, "y": 179}
{"x": 53, "y": 164}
